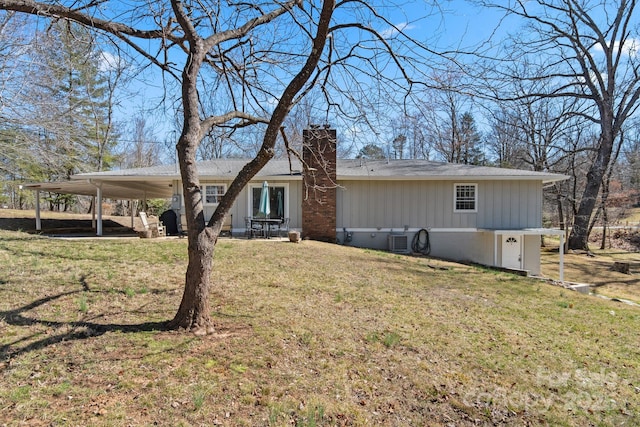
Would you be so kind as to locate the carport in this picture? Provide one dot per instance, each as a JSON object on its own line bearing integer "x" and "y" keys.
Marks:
{"x": 101, "y": 189}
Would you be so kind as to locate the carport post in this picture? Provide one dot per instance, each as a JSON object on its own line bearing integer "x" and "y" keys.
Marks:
{"x": 132, "y": 212}
{"x": 99, "y": 210}
{"x": 38, "y": 221}
{"x": 93, "y": 213}
{"x": 561, "y": 252}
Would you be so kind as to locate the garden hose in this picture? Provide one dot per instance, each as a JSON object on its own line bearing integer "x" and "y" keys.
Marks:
{"x": 420, "y": 243}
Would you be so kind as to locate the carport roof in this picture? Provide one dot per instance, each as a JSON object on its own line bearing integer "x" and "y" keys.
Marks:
{"x": 129, "y": 189}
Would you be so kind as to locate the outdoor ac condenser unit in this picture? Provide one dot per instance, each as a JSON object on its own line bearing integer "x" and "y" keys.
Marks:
{"x": 399, "y": 243}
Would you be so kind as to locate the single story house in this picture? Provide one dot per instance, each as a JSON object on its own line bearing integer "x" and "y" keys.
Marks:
{"x": 487, "y": 215}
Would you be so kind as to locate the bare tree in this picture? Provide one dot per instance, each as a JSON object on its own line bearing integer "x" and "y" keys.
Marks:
{"x": 14, "y": 148}
{"x": 445, "y": 112}
{"x": 505, "y": 142}
{"x": 142, "y": 148}
{"x": 584, "y": 50}
{"x": 261, "y": 58}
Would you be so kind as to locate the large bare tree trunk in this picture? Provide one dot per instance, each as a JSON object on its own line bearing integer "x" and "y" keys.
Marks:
{"x": 194, "y": 311}
{"x": 579, "y": 237}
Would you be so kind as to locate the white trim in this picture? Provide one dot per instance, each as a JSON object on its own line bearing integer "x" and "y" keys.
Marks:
{"x": 275, "y": 184}
{"x": 204, "y": 192}
{"x": 409, "y": 230}
{"x": 475, "y": 197}
{"x": 527, "y": 231}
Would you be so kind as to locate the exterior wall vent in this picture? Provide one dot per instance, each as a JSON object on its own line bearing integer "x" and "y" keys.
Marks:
{"x": 399, "y": 243}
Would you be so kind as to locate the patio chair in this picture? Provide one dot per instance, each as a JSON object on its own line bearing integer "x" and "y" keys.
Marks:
{"x": 284, "y": 226}
{"x": 156, "y": 228}
{"x": 251, "y": 229}
{"x": 277, "y": 229}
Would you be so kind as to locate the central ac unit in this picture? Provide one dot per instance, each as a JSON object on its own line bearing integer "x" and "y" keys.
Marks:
{"x": 399, "y": 243}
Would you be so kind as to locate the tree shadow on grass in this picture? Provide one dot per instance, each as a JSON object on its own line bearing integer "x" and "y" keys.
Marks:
{"x": 73, "y": 330}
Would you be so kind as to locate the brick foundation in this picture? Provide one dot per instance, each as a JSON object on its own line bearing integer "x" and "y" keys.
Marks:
{"x": 319, "y": 184}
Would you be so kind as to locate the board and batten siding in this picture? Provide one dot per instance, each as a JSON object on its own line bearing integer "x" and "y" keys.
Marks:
{"x": 429, "y": 204}
{"x": 240, "y": 208}
{"x": 509, "y": 204}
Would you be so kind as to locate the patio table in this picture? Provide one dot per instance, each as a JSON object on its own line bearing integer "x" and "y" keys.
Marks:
{"x": 265, "y": 225}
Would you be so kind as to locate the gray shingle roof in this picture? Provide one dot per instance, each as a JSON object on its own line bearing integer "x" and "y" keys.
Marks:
{"x": 346, "y": 169}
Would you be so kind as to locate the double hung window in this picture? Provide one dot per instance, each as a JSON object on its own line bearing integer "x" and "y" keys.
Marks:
{"x": 213, "y": 193}
{"x": 465, "y": 197}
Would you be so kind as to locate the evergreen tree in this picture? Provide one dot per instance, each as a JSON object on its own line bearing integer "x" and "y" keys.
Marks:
{"x": 372, "y": 152}
{"x": 72, "y": 103}
{"x": 470, "y": 145}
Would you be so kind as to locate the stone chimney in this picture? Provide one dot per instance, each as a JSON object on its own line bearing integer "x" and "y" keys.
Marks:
{"x": 319, "y": 184}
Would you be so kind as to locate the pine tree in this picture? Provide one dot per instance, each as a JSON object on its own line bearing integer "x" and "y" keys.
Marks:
{"x": 73, "y": 109}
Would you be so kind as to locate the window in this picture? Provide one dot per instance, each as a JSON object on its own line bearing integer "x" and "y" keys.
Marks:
{"x": 213, "y": 194}
{"x": 465, "y": 198}
{"x": 278, "y": 203}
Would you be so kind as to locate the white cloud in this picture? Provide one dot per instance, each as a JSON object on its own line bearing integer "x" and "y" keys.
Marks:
{"x": 109, "y": 62}
{"x": 630, "y": 47}
{"x": 395, "y": 29}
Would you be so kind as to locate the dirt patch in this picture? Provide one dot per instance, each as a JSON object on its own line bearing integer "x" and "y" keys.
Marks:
{"x": 57, "y": 222}
{"x": 619, "y": 238}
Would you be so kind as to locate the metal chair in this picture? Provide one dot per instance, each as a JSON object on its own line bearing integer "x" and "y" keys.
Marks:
{"x": 251, "y": 228}
{"x": 277, "y": 228}
{"x": 284, "y": 226}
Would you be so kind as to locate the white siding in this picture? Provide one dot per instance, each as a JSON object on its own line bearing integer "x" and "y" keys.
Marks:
{"x": 532, "y": 253}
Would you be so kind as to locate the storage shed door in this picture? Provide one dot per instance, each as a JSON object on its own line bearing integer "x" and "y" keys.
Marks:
{"x": 512, "y": 251}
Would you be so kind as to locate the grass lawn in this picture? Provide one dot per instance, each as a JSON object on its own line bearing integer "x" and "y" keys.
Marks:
{"x": 308, "y": 334}
{"x": 595, "y": 270}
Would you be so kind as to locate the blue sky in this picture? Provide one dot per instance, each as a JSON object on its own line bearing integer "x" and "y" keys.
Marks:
{"x": 451, "y": 25}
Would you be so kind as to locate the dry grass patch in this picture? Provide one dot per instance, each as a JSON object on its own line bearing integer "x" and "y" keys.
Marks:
{"x": 596, "y": 269}
{"x": 308, "y": 334}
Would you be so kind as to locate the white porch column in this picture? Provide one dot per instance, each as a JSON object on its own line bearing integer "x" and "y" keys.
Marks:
{"x": 495, "y": 249}
{"x": 132, "y": 212}
{"x": 561, "y": 252}
{"x": 99, "y": 210}
{"x": 93, "y": 213}
{"x": 38, "y": 221}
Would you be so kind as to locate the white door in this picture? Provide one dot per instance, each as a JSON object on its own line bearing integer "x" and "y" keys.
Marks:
{"x": 512, "y": 251}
